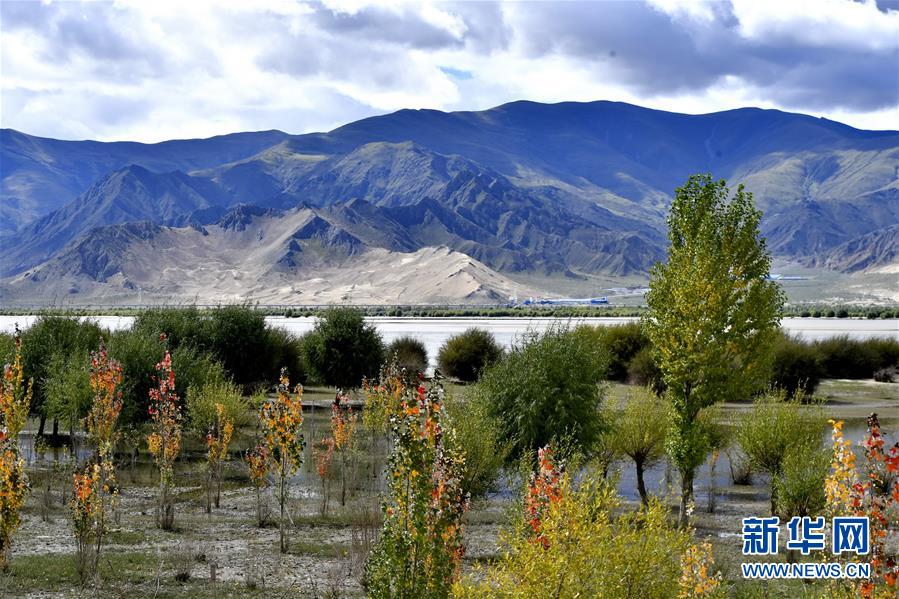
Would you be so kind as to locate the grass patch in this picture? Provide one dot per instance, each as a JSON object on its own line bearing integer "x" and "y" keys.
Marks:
{"x": 316, "y": 548}
{"x": 125, "y": 537}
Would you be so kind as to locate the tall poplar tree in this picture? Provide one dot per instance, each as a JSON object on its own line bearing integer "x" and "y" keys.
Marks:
{"x": 713, "y": 314}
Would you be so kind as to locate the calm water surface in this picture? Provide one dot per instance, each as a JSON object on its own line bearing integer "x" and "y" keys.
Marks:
{"x": 434, "y": 331}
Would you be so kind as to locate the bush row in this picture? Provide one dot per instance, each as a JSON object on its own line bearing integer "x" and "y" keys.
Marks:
{"x": 235, "y": 344}
{"x": 798, "y": 364}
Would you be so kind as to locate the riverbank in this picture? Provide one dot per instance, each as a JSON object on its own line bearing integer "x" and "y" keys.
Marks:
{"x": 805, "y": 310}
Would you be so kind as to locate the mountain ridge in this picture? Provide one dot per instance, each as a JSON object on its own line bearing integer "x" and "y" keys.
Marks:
{"x": 573, "y": 189}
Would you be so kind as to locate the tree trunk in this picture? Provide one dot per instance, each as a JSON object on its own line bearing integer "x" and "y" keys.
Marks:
{"x": 40, "y": 428}
{"x": 55, "y": 429}
{"x": 283, "y": 501}
{"x": 209, "y": 493}
{"x": 259, "y": 521}
{"x": 641, "y": 486}
{"x": 218, "y": 487}
{"x": 342, "y": 478}
{"x": 686, "y": 498}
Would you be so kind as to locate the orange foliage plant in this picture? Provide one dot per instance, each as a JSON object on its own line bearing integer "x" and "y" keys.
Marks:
{"x": 282, "y": 422}
{"x": 15, "y": 401}
{"x": 164, "y": 442}
{"x": 870, "y": 490}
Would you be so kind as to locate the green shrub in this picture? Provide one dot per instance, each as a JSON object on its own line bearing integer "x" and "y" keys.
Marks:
{"x": 799, "y": 487}
{"x": 410, "y": 353}
{"x": 886, "y": 375}
{"x": 138, "y": 354}
{"x": 342, "y": 349}
{"x": 797, "y": 366}
{"x": 286, "y": 351}
{"x": 243, "y": 343}
{"x": 68, "y": 389}
{"x": 464, "y": 356}
{"x": 201, "y": 401}
{"x": 237, "y": 336}
{"x": 588, "y": 548}
{"x": 7, "y": 347}
{"x": 775, "y": 427}
{"x": 194, "y": 368}
{"x": 639, "y": 432}
{"x": 548, "y": 388}
{"x": 885, "y": 351}
{"x": 845, "y": 358}
{"x": 478, "y": 433}
{"x": 642, "y": 370}
{"x": 182, "y": 326}
{"x": 49, "y": 336}
{"x": 621, "y": 342}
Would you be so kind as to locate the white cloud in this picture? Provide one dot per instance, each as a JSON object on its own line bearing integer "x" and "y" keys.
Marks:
{"x": 819, "y": 23}
{"x": 158, "y": 70}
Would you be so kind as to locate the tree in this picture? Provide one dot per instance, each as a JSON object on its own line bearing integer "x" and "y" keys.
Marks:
{"x": 53, "y": 338}
{"x": 419, "y": 551}
{"x": 713, "y": 314}
{"x": 466, "y": 355}
{"x": 342, "y": 349}
{"x": 240, "y": 339}
{"x": 213, "y": 410}
{"x": 639, "y": 433}
{"x": 282, "y": 424}
{"x": 15, "y": 400}
{"x": 546, "y": 389}
{"x": 95, "y": 490}
{"x": 164, "y": 442}
{"x": 67, "y": 390}
{"x": 258, "y": 465}
{"x": 867, "y": 490}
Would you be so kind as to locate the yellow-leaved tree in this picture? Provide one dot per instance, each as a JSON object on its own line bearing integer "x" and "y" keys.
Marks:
{"x": 713, "y": 314}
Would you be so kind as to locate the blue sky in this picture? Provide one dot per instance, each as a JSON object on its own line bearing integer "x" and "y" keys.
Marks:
{"x": 158, "y": 70}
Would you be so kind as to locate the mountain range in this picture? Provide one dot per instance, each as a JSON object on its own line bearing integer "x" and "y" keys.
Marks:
{"x": 509, "y": 199}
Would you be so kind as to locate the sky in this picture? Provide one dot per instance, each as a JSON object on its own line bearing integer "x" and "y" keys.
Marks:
{"x": 155, "y": 70}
